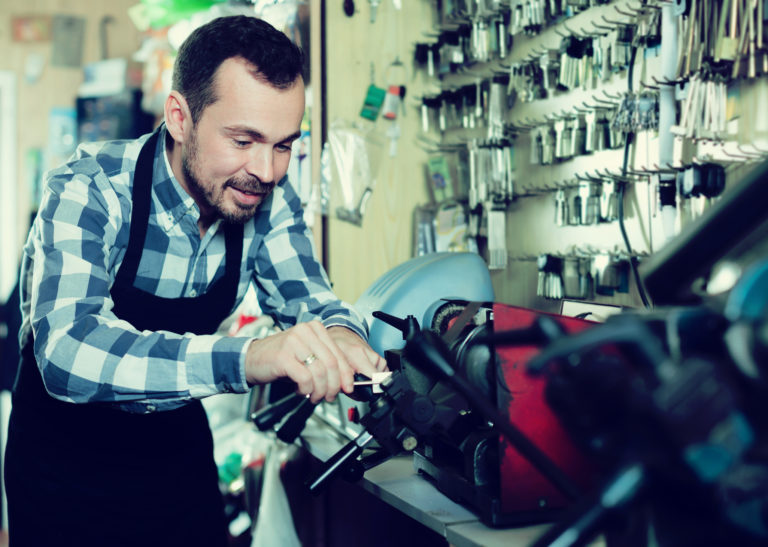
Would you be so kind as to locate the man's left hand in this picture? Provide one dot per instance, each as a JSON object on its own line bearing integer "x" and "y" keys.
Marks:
{"x": 357, "y": 352}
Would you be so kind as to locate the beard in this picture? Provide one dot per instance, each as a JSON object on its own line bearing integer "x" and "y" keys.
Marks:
{"x": 213, "y": 197}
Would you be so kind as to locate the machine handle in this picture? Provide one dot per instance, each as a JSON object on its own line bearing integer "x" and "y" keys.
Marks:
{"x": 266, "y": 417}
{"x": 338, "y": 461}
{"x": 408, "y": 326}
{"x": 295, "y": 421}
{"x": 579, "y": 529}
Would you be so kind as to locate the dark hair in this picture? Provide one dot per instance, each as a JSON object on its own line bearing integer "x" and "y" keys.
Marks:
{"x": 276, "y": 59}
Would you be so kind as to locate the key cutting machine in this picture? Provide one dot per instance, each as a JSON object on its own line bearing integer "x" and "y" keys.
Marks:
{"x": 481, "y": 429}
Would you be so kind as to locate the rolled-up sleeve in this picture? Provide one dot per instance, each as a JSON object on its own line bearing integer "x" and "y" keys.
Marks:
{"x": 85, "y": 353}
{"x": 293, "y": 285}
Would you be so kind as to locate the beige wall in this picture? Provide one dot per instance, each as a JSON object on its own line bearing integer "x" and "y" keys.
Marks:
{"x": 357, "y": 255}
{"x": 57, "y": 86}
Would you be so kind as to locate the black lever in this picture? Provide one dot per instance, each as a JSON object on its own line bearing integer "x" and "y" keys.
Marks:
{"x": 265, "y": 418}
{"x": 339, "y": 461}
{"x": 294, "y": 422}
{"x": 408, "y": 326}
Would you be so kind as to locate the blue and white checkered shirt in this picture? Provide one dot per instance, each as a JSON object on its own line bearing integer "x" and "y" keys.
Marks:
{"x": 74, "y": 250}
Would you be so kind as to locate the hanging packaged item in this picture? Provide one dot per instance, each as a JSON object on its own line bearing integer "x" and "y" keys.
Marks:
{"x": 355, "y": 156}
{"x": 374, "y": 98}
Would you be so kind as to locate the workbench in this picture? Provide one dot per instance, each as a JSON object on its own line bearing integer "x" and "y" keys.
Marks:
{"x": 396, "y": 483}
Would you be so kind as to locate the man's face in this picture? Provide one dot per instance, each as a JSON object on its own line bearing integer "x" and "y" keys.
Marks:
{"x": 241, "y": 145}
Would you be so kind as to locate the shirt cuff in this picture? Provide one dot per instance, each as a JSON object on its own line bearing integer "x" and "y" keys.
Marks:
{"x": 351, "y": 325}
{"x": 216, "y": 364}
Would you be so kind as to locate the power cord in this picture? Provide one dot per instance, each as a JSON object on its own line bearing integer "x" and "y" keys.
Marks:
{"x": 629, "y": 139}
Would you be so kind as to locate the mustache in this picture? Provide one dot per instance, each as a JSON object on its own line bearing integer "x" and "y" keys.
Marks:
{"x": 250, "y": 184}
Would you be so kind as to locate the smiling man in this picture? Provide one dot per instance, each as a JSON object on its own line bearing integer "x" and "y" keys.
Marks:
{"x": 139, "y": 251}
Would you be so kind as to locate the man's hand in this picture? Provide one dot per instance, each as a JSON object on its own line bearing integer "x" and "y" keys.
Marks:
{"x": 321, "y": 361}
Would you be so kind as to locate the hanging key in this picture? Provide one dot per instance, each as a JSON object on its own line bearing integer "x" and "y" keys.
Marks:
{"x": 536, "y": 150}
{"x": 374, "y": 5}
{"x": 547, "y": 145}
{"x": 561, "y": 208}
{"x": 576, "y": 210}
{"x": 609, "y": 205}
{"x": 585, "y": 279}
{"x": 578, "y": 134}
{"x": 592, "y": 208}
{"x": 560, "y": 138}
{"x": 572, "y": 287}
{"x": 590, "y": 131}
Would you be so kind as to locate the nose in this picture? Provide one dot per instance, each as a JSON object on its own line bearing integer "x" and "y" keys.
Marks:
{"x": 260, "y": 164}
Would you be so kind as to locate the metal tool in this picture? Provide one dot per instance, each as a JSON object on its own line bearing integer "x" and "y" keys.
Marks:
{"x": 375, "y": 382}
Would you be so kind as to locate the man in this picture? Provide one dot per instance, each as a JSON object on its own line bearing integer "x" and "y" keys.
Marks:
{"x": 139, "y": 251}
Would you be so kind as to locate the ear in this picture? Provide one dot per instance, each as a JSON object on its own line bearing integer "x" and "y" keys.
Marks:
{"x": 178, "y": 119}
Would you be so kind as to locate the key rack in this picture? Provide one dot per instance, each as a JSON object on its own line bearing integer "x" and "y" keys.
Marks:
{"x": 534, "y": 130}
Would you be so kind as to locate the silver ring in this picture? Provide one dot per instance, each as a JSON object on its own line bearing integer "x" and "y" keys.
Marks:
{"x": 309, "y": 360}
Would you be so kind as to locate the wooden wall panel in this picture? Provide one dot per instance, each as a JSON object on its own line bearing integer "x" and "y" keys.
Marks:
{"x": 357, "y": 255}
{"x": 57, "y": 86}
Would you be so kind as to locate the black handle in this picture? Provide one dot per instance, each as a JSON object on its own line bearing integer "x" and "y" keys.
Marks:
{"x": 295, "y": 421}
{"x": 408, "y": 326}
{"x": 339, "y": 461}
{"x": 266, "y": 418}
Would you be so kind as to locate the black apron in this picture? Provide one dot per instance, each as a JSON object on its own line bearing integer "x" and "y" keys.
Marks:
{"x": 92, "y": 475}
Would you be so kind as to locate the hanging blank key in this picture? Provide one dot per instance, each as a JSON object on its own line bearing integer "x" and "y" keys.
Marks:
{"x": 375, "y": 382}
{"x": 374, "y": 8}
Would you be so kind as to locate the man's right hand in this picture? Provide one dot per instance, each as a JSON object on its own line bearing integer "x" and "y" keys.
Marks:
{"x": 306, "y": 354}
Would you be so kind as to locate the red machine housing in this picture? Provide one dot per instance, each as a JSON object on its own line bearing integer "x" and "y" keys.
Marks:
{"x": 523, "y": 489}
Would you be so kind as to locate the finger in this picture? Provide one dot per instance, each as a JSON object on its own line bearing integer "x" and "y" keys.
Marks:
{"x": 365, "y": 361}
{"x": 340, "y": 371}
{"x": 325, "y": 369}
{"x": 378, "y": 362}
{"x": 302, "y": 376}
{"x": 307, "y": 365}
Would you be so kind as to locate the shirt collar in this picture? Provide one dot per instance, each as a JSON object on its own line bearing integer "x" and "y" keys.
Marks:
{"x": 174, "y": 202}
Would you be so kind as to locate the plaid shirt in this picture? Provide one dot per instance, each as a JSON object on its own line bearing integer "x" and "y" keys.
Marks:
{"x": 76, "y": 245}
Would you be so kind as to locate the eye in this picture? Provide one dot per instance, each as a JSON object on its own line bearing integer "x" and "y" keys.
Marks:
{"x": 284, "y": 147}
{"x": 241, "y": 144}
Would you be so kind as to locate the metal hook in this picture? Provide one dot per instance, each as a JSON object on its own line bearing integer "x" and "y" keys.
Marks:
{"x": 600, "y": 31}
{"x": 614, "y": 23}
{"x": 605, "y": 104}
{"x": 669, "y": 168}
{"x": 755, "y": 155}
{"x": 594, "y": 106}
{"x": 532, "y": 123}
{"x": 643, "y": 172}
{"x": 666, "y": 81}
{"x": 519, "y": 127}
{"x": 599, "y": 27}
{"x": 633, "y": 12}
{"x": 625, "y": 14}
{"x": 744, "y": 158}
{"x": 759, "y": 150}
{"x": 618, "y": 97}
{"x": 573, "y": 33}
{"x": 615, "y": 176}
{"x": 648, "y": 86}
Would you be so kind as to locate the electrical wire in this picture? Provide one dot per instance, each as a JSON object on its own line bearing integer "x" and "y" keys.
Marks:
{"x": 629, "y": 139}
